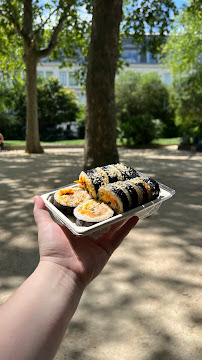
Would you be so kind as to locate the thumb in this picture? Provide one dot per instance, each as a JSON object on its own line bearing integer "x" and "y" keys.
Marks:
{"x": 40, "y": 212}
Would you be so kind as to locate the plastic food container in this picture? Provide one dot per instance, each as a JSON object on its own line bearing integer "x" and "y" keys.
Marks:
{"x": 141, "y": 211}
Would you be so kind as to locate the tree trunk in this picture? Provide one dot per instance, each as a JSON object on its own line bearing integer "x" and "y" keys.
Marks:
{"x": 32, "y": 126}
{"x": 101, "y": 133}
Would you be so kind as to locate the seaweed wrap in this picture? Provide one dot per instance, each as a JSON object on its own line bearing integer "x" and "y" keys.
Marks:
{"x": 110, "y": 173}
{"x": 125, "y": 195}
{"x": 116, "y": 196}
{"x": 92, "y": 211}
{"x": 153, "y": 188}
{"x": 127, "y": 172}
{"x": 141, "y": 185}
{"x": 66, "y": 199}
{"x": 92, "y": 180}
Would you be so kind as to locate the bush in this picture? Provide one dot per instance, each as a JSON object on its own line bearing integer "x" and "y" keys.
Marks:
{"x": 142, "y": 106}
{"x": 139, "y": 130}
{"x": 10, "y": 105}
{"x": 186, "y": 98}
{"x": 56, "y": 105}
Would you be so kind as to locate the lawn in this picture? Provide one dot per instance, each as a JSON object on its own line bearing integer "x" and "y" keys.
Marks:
{"x": 161, "y": 141}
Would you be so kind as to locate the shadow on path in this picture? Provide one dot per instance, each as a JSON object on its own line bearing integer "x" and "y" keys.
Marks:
{"x": 146, "y": 305}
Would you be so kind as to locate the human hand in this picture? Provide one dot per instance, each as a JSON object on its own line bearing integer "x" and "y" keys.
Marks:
{"x": 78, "y": 255}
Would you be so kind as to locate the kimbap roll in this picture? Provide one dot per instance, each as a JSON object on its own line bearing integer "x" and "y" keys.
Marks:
{"x": 67, "y": 199}
{"x": 127, "y": 172}
{"x": 125, "y": 195}
{"x": 92, "y": 180}
{"x": 92, "y": 211}
{"x": 153, "y": 188}
{"x": 116, "y": 196}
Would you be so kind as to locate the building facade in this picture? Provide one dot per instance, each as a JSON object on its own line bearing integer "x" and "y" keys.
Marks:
{"x": 135, "y": 60}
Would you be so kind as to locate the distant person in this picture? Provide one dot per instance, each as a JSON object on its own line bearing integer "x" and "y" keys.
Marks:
{"x": 1, "y": 141}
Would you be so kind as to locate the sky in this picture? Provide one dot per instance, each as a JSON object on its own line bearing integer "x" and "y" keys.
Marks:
{"x": 179, "y": 3}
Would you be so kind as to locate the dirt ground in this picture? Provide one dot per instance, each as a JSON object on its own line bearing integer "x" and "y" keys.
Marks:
{"x": 147, "y": 303}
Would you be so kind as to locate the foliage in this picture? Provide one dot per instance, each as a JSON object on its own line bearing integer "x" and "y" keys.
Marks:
{"x": 53, "y": 24}
{"x": 69, "y": 22}
{"x": 186, "y": 98}
{"x": 12, "y": 102}
{"x": 32, "y": 30}
{"x": 56, "y": 105}
{"x": 183, "y": 49}
{"x": 148, "y": 22}
{"x": 143, "y": 109}
{"x": 81, "y": 121}
{"x": 183, "y": 54}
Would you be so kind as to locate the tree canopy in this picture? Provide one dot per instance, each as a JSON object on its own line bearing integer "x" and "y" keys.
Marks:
{"x": 45, "y": 25}
{"x": 183, "y": 54}
{"x": 183, "y": 49}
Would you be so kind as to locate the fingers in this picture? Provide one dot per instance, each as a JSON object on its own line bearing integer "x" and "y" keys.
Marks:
{"x": 40, "y": 212}
{"x": 115, "y": 236}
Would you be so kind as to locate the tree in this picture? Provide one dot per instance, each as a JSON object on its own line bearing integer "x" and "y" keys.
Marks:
{"x": 102, "y": 63}
{"x": 142, "y": 105}
{"x": 182, "y": 52}
{"x": 186, "y": 99}
{"x": 30, "y": 30}
{"x": 139, "y": 18}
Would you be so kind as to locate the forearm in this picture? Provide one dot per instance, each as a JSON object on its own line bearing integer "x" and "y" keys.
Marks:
{"x": 34, "y": 319}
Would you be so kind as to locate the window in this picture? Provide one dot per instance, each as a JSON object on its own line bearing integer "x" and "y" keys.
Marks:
{"x": 49, "y": 74}
{"x": 130, "y": 56}
{"x": 40, "y": 73}
{"x": 151, "y": 59}
{"x": 63, "y": 78}
{"x": 167, "y": 78}
{"x": 72, "y": 79}
{"x": 82, "y": 98}
{"x": 143, "y": 58}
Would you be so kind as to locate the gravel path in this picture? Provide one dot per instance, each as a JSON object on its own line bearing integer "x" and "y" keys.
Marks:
{"x": 147, "y": 303}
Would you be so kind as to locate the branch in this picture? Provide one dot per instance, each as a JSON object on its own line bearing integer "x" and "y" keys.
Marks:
{"x": 37, "y": 32}
{"x": 9, "y": 16}
{"x": 46, "y": 52}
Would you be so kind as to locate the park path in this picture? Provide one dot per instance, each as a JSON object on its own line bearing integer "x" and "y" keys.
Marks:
{"x": 147, "y": 303}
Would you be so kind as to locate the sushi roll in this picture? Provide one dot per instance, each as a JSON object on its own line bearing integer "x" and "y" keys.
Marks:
{"x": 91, "y": 211}
{"x": 127, "y": 172}
{"x": 122, "y": 196}
{"x": 147, "y": 188}
{"x": 153, "y": 188}
{"x": 92, "y": 180}
{"x": 142, "y": 189}
{"x": 66, "y": 199}
{"x": 110, "y": 173}
{"x": 116, "y": 196}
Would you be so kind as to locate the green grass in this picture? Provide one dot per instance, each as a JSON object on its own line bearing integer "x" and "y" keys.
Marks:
{"x": 171, "y": 141}
{"x": 14, "y": 142}
{"x": 62, "y": 142}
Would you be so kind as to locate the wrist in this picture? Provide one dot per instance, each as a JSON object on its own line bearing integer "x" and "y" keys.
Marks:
{"x": 62, "y": 276}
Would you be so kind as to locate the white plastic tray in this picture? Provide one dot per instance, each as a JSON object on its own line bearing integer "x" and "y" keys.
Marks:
{"x": 140, "y": 211}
